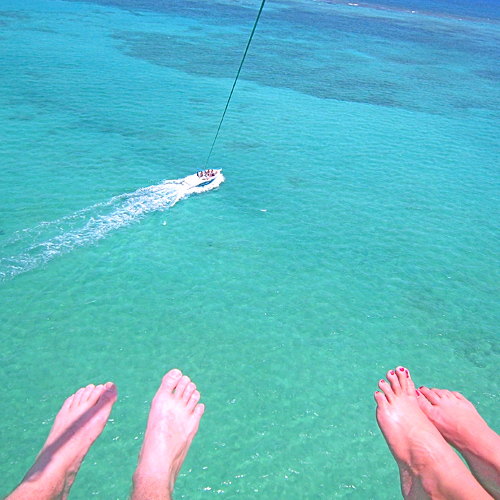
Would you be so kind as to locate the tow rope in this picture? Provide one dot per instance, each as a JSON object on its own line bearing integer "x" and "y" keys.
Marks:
{"x": 235, "y": 80}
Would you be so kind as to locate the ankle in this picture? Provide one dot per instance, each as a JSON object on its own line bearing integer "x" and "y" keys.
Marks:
{"x": 39, "y": 487}
{"x": 484, "y": 445}
{"x": 437, "y": 476}
{"x": 158, "y": 485}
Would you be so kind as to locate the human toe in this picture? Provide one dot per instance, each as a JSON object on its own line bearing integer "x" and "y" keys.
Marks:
{"x": 171, "y": 379}
{"x": 431, "y": 395}
{"x": 387, "y": 390}
{"x": 443, "y": 393}
{"x": 410, "y": 384}
{"x": 87, "y": 393}
{"x": 77, "y": 396}
{"x": 193, "y": 400}
{"x": 107, "y": 395}
{"x": 405, "y": 381}
{"x": 92, "y": 395}
{"x": 395, "y": 382}
{"x": 199, "y": 410}
{"x": 188, "y": 392}
{"x": 181, "y": 386}
{"x": 110, "y": 391}
{"x": 380, "y": 398}
{"x": 67, "y": 404}
{"x": 425, "y": 405}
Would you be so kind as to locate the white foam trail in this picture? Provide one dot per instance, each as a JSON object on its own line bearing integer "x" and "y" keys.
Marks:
{"x": 33, "y": 247}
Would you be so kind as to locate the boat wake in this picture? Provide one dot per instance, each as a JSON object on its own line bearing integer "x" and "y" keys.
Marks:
{"x": 33, "y": 247}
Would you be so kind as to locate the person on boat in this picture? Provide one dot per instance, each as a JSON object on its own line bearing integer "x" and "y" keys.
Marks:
{"x": 172, "y": 424}
{"x": 420, "y": 428}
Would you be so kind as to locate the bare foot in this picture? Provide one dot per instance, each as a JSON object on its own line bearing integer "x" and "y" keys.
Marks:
{"x": 78, "y": 424}
{"x": 172, "y": 424}
{"x": 428, "y": 466}
{"x": 460, "y": 424}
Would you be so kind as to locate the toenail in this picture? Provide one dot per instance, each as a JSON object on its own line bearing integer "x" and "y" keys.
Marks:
{"x": 418, "y": 393}
{"x": 407, "y": 374}
{"x": 392, "y": 372}
{"x": 421, "y": 387}
{"x": 382, "y": 381}
{"x": 401, "y": 369}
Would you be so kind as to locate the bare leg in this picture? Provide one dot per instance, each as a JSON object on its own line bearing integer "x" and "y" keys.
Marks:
{"x": 78, "y": 424}
{"x": 428, "y": 466}
{"x": 460, "y": 424}
{"x": 172, "y": 424}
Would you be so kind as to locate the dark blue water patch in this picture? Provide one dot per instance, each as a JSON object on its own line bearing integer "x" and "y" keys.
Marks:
{"x": 328, "y": 73}
{"x": 327, "y": 52}
{"x": 405, "y": 28}
{"x": 186, "y": 53}
{"x": 482, "y": 9}
{"x": 16, "y": 15}
{"x": 490, "y": 74}
{"x": 192, "y": 8}
{"x": 473, "y": 9}
{"x": 307, "y": 21}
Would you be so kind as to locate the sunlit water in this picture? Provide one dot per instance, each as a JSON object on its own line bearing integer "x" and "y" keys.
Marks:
{"x": 357, "y": 229}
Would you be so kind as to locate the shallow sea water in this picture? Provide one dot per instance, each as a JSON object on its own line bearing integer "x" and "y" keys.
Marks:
{"x": 357, "y": 229}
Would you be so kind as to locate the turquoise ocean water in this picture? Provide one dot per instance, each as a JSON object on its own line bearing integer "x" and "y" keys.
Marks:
{"x": 357, "y": 229}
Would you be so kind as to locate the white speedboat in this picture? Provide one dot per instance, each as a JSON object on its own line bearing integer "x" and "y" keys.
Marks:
{"x": 204, "y": 180}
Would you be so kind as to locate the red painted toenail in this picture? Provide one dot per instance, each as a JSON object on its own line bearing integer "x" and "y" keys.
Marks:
{"x": 382, "y": 381}
{"x": 421, "y": 387}
{"x": 401, "y": 369}
{"x": 418, "y": 393}
{"x": 392, "y": 372}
